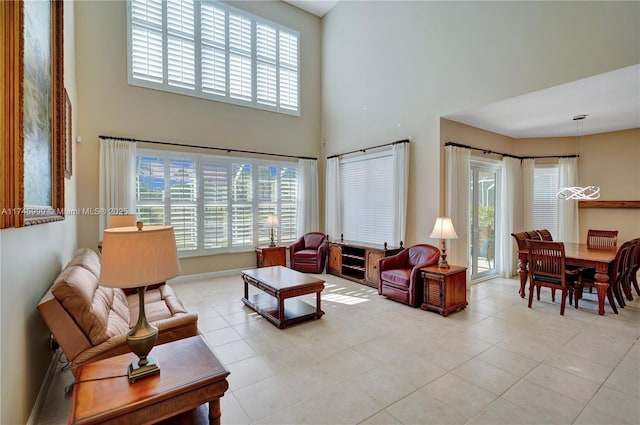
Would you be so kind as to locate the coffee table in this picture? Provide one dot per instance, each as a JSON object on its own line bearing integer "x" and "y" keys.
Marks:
{"x": 190, "y": 375}
{"x": 280, "y": 286}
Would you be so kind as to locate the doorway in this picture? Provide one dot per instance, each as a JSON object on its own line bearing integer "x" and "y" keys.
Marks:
{"x": 485, "y": 194}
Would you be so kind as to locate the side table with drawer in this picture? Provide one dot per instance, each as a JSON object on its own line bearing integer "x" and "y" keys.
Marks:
{"x": 445, "y": 290}
{"x": 267, "y": 256}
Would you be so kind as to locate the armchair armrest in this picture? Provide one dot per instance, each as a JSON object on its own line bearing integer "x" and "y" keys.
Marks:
{"x": 417, "y": 267}
{"x": 397, "y": 261}
{"x": 296, "y": 246}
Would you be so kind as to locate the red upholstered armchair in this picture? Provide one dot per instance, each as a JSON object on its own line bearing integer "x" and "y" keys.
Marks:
{"x": 308, "y": 254}
{"x": 399, "y": 274}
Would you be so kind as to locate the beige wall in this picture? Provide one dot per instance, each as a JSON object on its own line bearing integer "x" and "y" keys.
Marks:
{"x": 31, "y": 257}
{"x": 109, "y": 106}
{"x": 391, "y": 69}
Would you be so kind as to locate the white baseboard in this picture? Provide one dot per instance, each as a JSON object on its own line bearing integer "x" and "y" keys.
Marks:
{"x": 204, "y": 276}
{"x": 44, "y": 388}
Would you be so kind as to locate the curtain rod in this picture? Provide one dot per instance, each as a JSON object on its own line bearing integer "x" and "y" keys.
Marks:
{"x": 508, "y": 155}
{"x": 366, "y": 149}
{"x": 128, "y": 139}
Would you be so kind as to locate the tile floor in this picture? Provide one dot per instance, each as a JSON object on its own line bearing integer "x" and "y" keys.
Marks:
{"x": 370, "y": 360}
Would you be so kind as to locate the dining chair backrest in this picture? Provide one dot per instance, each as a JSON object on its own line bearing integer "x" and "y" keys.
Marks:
{"x": 602, "y": 239}
{"x": 621, "y": 261}
{"x": 545, "y": 235}
{"x": 521, "y": 239}
{"x": 547, "y": 262}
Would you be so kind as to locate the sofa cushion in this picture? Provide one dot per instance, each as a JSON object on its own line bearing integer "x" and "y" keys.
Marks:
{"x": 398, "y": 277}
{"x": 88, "y": 259}
{"x": 161, "y": 303}
{"x": 99, "y": 311}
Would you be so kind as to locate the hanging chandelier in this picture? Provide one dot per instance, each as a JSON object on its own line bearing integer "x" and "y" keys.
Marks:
{"x": 579, "y": 193}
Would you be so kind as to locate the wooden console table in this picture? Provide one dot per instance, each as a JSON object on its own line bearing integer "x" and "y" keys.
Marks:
{"x": 357, "y": 261}
{"x": 445, "y": 290}
{"x": 190, "y": 375}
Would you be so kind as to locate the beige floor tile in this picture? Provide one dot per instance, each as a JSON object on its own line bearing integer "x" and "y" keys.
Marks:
{"x": 381, "y": 418}
{"x": 249, "y": 371}
{"x": 572, "y": 386}
{"x": 234, "y": 352}
{"x": 266, "y": 397}
{"x": 591, "y": 416}
{"x": 466, "y": 397}
{"x": 579, "y": 366}
{"x": 221, "y": 336}
{"x": 503, "y": 412}
{"x": 621, "y": 406}
{"x": 487, "y": 376}
{"x": 232, "y": 412}
{"x": 549, "y": 406}
{"x": 420, "y": 408}
{"x": 626, "y": 378}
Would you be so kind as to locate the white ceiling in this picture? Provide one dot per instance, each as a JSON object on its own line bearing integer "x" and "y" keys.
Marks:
{"x": 611, "y": 101}
{"x": 317, "y": 7}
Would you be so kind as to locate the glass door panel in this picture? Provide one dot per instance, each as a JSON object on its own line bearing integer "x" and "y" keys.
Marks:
{"x": 483, "y": 219}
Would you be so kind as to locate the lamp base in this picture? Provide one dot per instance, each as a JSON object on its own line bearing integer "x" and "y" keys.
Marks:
{"x": 138, "y": 372}
{"x": 443, "y": 256}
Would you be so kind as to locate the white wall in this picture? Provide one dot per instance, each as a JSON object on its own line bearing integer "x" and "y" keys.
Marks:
{"x": 30, "y": 259}
{"x": 392, "y": 69}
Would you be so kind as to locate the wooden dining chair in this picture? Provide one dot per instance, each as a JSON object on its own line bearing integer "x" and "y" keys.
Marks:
{"x": 616, "y": 274}
{"x": 545, "y": 235}
{"x": 631, "y": 266}
{"x": 602, "y": 239}
{"x": 547, "y": 267}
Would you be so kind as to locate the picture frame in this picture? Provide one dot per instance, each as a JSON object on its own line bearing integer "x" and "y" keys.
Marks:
{"x": 68, "y": 137}
{"x": 32, "y": 122}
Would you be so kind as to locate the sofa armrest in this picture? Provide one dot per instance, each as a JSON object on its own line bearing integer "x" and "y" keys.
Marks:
{"x": 397, "y": 261}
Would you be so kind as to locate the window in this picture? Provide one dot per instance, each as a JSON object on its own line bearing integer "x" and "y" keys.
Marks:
{"x": 545, "y": 201}
{"x": 216, "y": 204}
{"x": 211, "y": 50}
{"x": 366, "y": 197}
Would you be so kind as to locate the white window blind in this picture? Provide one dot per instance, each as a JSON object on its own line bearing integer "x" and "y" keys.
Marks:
{"x": 366, "y": 197}
{"x": 216, "y": 204}
{"x": 545, "y": 201}
{"x": 211, "y": 50}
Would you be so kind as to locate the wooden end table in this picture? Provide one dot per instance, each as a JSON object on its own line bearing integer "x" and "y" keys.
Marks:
{"x": 445, "y": 289}
{"x": 190, "y": 375}
{"x": 281, "y": 285}
{"x": 267, "y": 256}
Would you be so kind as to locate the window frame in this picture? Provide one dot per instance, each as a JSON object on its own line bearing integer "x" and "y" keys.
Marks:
{"x": 259, "y": 232}
{"x": 198, "y": 91}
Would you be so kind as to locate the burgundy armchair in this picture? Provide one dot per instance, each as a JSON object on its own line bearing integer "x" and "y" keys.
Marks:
{"x": 308, "y": 254}
{"x": 399, "y": 275}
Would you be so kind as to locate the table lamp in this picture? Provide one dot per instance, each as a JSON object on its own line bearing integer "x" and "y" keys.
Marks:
{"x": 443, "y": 230}
{"x": 121, "y": 220}
{"x": 272, "y": 223}
{"x": 134, "y": 257}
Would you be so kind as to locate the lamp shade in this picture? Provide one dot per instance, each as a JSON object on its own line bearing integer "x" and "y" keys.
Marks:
{"x": 272, "y": 221}
{"x": 133, "y": 258}
{"x": 121, "y": 220}
{"x": 443, "y": 229}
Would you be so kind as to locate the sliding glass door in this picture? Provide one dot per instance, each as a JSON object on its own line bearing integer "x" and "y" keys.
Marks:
{"x": 485, "y": 192}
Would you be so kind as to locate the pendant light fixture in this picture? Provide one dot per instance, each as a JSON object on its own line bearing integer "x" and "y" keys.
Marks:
{"x": 579, "y": 193}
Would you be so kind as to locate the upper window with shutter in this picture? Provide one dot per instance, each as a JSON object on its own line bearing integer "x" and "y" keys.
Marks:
{"x": 211, "y": 50}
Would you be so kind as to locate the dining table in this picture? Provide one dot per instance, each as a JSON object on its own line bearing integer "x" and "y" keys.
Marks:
{"x": 577, "y": 254}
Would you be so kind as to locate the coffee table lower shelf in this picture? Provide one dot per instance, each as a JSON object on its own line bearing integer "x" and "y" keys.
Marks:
{"x": 295, "y": 310}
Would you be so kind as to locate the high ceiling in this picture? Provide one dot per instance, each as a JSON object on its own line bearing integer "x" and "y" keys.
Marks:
{"x": 611, "y": 102}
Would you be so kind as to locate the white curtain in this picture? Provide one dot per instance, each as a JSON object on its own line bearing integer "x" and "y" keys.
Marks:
{"x": 400, "y": 191}
{"x": 332, "y": 202}
{"x": 510, "y": 214}
{"x": 457, "y": 160}
{"x": 528, "y": 169}
{"x": 308, "y": 220}
{"x": 117, "y": 181}
{"x": 568, "y": 228}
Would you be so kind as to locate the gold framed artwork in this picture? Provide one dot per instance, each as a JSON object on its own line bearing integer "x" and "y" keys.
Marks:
{"x": 32, "y": 125}
{"x": 68, "y": 145}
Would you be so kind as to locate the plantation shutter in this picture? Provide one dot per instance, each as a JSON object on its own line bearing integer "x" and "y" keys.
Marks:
{"x": 240, "y": 56}
{"x": 146, "y": 40}
{"x": 545, "y": 201}
{"x": 288, "y": 204}
{"x": 288, "y": 44}
{"x": 241, "y": 205}
{"x": 181, "y": 44}
{"x": 213, "y": 45}
{"x": 366, "y": 197}
{"x": 183, "y": 192}
{"x": 150, "y": 184}
{"x": 266, "y": 65}
{"x": 215, "y": 197}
